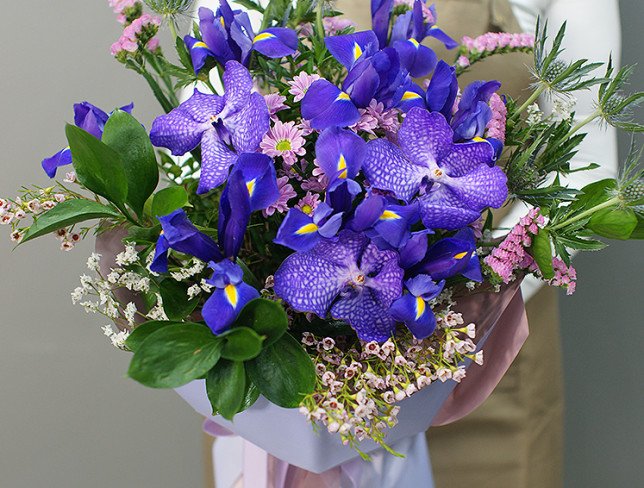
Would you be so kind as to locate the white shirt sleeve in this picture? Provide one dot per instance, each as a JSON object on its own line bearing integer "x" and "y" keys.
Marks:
{"x": 593, "y": 32}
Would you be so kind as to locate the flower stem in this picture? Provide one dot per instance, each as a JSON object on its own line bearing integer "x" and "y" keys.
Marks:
{"x": 586, "y": 213}
{"x": 584, "y": 122}
{"x": 531, "y": 99}
{"x": 318, "y": 20}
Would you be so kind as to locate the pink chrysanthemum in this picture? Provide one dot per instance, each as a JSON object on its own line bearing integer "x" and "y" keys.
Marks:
{"x": 309, "y": 203}
{"x": 284, "y": 140}
{"x": 286, "y": 193}
{"x": 376, "y": 117}
{"x": 318, "y": 182}
{"x": 301, "y": 83}
{"x": 275, "y": 103}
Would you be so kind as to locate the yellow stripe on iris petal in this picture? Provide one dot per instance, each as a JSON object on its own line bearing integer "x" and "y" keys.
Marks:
{"x": 250, "y": 185}
{"x": 389, "y": 215}
{"x": 357, "y": 51}
{"x": 307, "y": 229}
{"x": 343, "y": 96}
{"x": 232, "y": 295}
{"x": 262, "y": 37}
{"x": 342, "y": 166}
{"x": 461, "y": 255}
{"x": 414, "y": 42}
{"x": 478, "y": 139}
{"x": 420, "y": 307}
{"x": 410, "y": 95}
{"x": 200, "y": 44}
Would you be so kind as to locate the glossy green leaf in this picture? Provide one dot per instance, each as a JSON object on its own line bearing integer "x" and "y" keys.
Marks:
{"x": 226, "y": 388}
{"x": 99, "y": 168}
{"x": 68, "y": 213}
{"x": 176, "y": 304}
{"x": 168, "y": 200}
{"x": 283, "y": 372}
{"x": 638, "y": 232}
{"x": 541, "y": 251}
{"x": 265, "y": 317}
{"x": 617, "y": 223}
{"x": 130, "y": 140}
{"x": 175, "y": 355}
{"x": 241, "y": 344}
{"x": 251, "y": 394}
{"x": 143, "y": 331}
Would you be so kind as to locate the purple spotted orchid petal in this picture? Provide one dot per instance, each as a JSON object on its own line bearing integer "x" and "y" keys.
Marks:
{"x": 349, "y": 48}
{"x": 248, "y": 126}
{"x": 258, "y": 173}
{"x": 481, "y": 188}
{"x": 466, "y": 157}
{"x": 325, "y": 105}
{"x": 238, "y": 85}
{"x": 366, "y": 315}
{"x": 425, "y": 137}
{"x": 216, "y": 159}
{"x": 387, "y": 168}
{"x": 276, "y": 42}
{"x": 442, "y": 209}
{"x": 181, "y": 129}
{"x": 340, "y": 153}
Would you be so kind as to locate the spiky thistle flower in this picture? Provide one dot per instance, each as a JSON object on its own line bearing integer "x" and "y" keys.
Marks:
{"x": 170, "y": 8}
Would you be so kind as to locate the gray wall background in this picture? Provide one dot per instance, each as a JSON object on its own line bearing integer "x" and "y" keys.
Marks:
{"x": 69, "y": 417}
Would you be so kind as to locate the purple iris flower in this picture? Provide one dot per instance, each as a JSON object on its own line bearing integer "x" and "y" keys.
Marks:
{"x": 387, "y": 223}
{"x": 474, "y": 113}
{"x": 442, "y": 89}
{"x": 452, "y": 256}
{"x": 380, "y": 18}
{"x": 340, "y": 154}
{"x": 229, "y": 297}
{"x": 89, "y": 118}
{"x": 372, "y": 74}
{"x": 181, "y": 235}
{"x": 413, "y": 308}
{"x": 229, "y": 35}
{"x": 231, "y": 294}
{"x": 347, "y": 276}
{"x": 302, "y": 232}
{"x": 239, "y": 120}
{"x": 455, "y": 182}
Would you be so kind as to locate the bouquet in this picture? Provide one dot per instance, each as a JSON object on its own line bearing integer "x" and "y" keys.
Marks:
{"x": 306, "y": 223}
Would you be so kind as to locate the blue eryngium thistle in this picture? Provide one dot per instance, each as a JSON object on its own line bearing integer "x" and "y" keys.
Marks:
{"x": 170, "y": 8}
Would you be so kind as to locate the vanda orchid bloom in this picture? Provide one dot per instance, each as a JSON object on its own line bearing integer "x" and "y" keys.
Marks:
{"x": 453, "y": 183}
{"x": 239, "y": 119}
{"x": 228, "y": 35}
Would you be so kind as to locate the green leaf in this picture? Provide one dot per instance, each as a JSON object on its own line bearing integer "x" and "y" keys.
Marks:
{"x": 592, "y": 195}
{"x": 265, "y": 317}
{"x": 251, "y": 394}
{"x": 241, "y": 344}
{"x": 638, "y": 233}
{"x": 175, "y": 355}
{"x": 98, "y": 167}
{"x": 226, "y": 388}
{"x": 176, "y": 304}
{"x": 541, "y": 251}
{"x": 614, "y": 223}
{"x": 130, "y": 140}
{"x": 283, "y": 372}
{"x": 168, "y": 200}
{"x": 579, "y": 244}
{"x": 143, "y": 331}
{"x": 68, "y": 213}
{"x": 143, "y": 235}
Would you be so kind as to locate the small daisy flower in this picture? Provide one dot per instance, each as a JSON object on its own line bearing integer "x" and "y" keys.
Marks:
{"x": 308, "y": 203}
{"x": 301, "y": 83}
{"x": 275, "y": 103}
{"x": 285, "y": 140}
{"x": 286, "y": 193}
